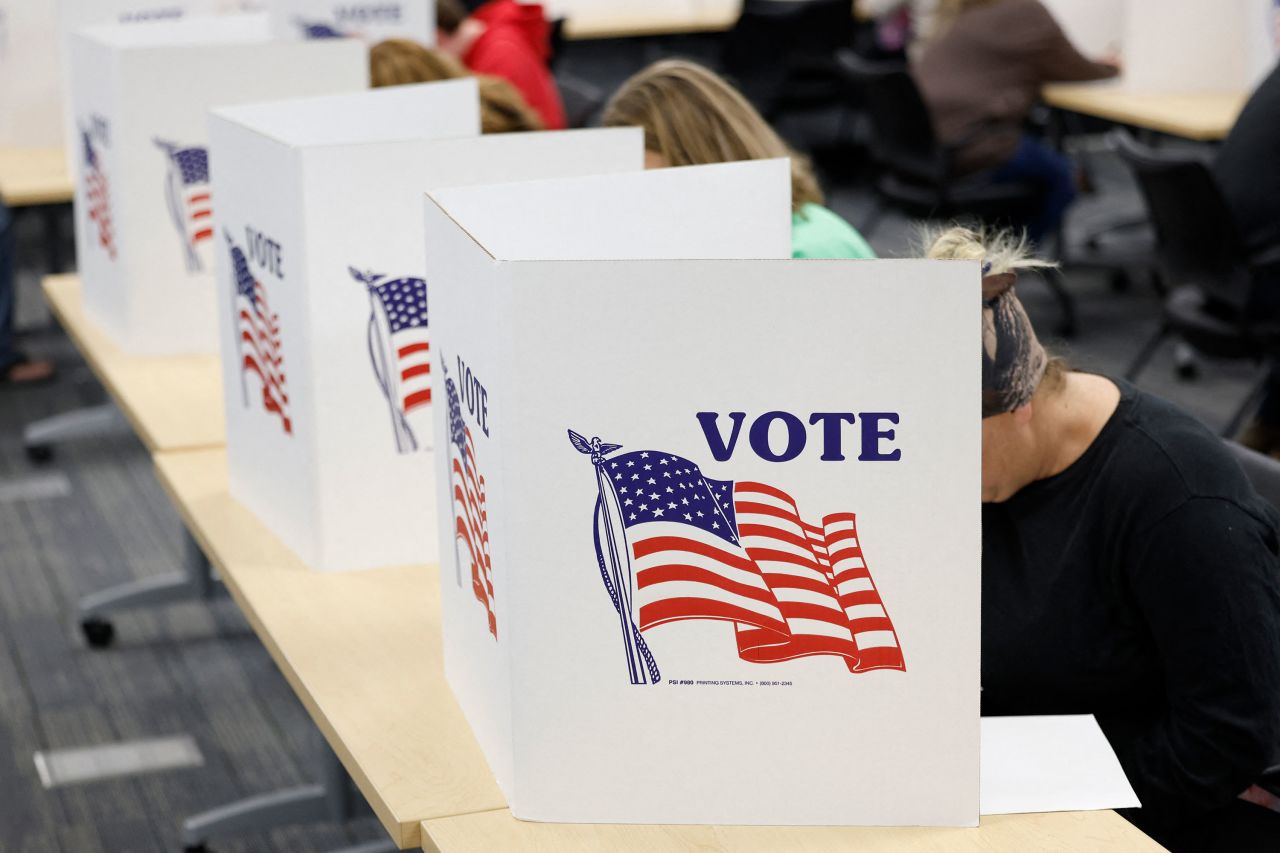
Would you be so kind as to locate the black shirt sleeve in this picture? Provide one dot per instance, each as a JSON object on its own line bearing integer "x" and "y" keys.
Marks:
{"x": 1204, "y": 579}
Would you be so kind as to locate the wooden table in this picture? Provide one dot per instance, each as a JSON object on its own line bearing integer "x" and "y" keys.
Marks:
{"x": 363, "y": 652}
{"x": 34, "y": 176}
{"x": 640, "y": 19}
{"x": 172, "y": 402}
{"x": 1093, "y": 831}
{"x": 361, "y": 649}
{"x": 1203, "y": 118}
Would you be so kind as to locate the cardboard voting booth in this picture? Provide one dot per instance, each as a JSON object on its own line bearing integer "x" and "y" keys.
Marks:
{"x": 144, "y": 227}
{"x": 324, "y": 304}
{"x": 369, "y": 20}
{"x": 33, "y": 36}
{"x": 1190, "y": 46}
{"x": 714, "y": 513}
{"x": 1095, "y": 27}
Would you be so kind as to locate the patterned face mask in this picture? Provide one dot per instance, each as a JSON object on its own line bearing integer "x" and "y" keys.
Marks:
{"x": 1013, "y": 362}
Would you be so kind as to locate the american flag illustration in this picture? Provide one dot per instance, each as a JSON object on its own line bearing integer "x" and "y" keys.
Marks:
{"x": 470, "y": 515}
{"x": 318, "y": 29}
{"x": 98, "y": 196}
{"x": 187, "y": 193}
{"x": 674, "y": 544}
{"x": 258, "y": 340}
{"x": 398, "y": 348}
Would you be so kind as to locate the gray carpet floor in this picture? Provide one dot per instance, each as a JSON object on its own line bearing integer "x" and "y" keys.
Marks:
{"x": 96, "y": 516}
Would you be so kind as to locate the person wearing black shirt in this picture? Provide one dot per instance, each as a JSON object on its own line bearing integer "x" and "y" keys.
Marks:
{"x": 1129, "y": 571}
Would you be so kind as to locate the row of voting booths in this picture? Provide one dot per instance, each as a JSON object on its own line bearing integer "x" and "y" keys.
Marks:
{"x": 645, "y": 447}
{"x": 34, "y": 50}
{"x": 706, "y": 517}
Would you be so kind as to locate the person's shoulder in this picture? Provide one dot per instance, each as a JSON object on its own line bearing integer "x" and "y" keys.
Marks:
{"x": 1175, "y": 459}
{"x": 817, "y": 232}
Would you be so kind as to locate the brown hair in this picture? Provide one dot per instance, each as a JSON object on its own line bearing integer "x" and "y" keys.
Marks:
{"x": 693, "y": 117}
{"x": 449, "y": 15}
{"x": 396, "y": 62}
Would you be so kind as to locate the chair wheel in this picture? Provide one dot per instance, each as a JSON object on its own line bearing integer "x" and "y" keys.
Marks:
{"x": 98, "y": 632}
{"x": 39, "y": 453}
{"x": 1188, "y": 370}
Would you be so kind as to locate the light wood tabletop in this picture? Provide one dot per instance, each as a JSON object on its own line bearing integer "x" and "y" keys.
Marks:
{"x": 1094, "y": 831}
{"x": 636, "y": 20}
{"x": 361, "y": 649}
{"x": 32, "y": 175}
{"x": 172, "y": 402}
{"x": 1203, "y": 118}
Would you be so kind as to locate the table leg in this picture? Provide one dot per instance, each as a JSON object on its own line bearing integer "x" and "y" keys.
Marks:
{"x": 195, "y": 582}
{"x": 332, "y": 799}
{"x": 39, "y": 436}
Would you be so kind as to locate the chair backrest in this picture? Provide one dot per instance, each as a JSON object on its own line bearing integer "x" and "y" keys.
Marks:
{"x": 903, "y": 140}
{"x": 770, "y": 36}
{"x": 1197, "y": 241}
{"x": 558, "y": 41}
{"x": 1263, "y": 472}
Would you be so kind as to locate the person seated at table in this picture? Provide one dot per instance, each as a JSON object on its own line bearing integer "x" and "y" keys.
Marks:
{"x": 693, "y": 117}
{"x": 396, "y": 62}
{"x": 980, "y": 75}
{"x": 503, "y": 38}
{"x": 1130, "y": 571}
{"x": 15, "y": 367}
{"x": 1246, "y": 171}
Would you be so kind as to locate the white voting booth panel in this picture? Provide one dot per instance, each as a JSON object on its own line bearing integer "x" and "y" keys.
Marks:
{"x": 1190, "y": 46}
{"x": 369, "y": 20}
{"x": 32, "y": 55}
{"x": 327, "y": 367}
{"x": 663, "y": 463}
{"x": 1095, "y": 27}
{"x": 144, "y": 228}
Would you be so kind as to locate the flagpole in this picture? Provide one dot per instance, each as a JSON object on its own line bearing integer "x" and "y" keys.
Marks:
{"x": 235, "y": 320}
{"x": 616, "y": 571}
{"x": 457, "y": 438}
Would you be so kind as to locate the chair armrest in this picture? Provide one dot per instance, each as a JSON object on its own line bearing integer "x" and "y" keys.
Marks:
{"x": 1270, "y": 780}
{"x": 1266, "y": 257}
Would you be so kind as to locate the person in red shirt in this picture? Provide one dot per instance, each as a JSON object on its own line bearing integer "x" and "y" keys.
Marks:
{"x": 505, "y": 39}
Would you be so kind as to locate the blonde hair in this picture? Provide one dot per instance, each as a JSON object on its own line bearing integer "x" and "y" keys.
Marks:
{"x": 1002, "y": 250}
{"x": 693, "y": 117}
{"x": 397, "y": 62}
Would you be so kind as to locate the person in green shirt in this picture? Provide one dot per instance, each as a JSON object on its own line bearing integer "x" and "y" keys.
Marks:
{"x": 692, "y": 117}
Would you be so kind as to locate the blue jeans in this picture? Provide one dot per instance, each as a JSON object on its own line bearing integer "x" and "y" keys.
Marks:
{"x": 1037, "y": 163}
{"x": 8, "y": 355}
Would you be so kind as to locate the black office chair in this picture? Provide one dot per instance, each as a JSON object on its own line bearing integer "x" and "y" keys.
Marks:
{"x": 557, "y": 41}
{"x": 1213, "y": 281}
{"x": 782, "y": 54}
{"x": 917, "y": 173}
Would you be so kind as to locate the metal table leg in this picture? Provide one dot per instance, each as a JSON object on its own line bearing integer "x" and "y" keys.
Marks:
{"x": 195, "y": 582}
{"x": 39, "y": 436}
{"x": 332, "y": 799}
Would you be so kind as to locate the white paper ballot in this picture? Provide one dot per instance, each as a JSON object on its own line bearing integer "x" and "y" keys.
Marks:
{"x": 1050, "y": 764}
